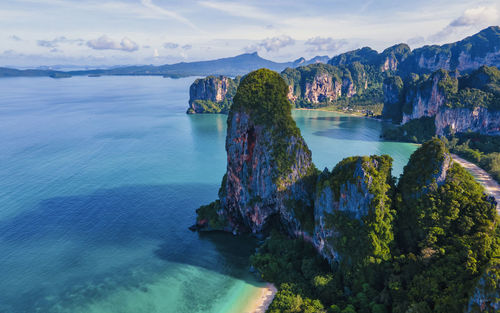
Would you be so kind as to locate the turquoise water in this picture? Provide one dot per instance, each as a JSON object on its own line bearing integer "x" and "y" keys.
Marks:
{"x": 99, "y": 180}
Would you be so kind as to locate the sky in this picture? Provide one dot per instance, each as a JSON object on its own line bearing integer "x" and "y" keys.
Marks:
{"x": 122, "y": 32}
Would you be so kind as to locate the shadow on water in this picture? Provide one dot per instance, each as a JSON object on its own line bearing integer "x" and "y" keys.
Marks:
{"x": 120, "y": 219}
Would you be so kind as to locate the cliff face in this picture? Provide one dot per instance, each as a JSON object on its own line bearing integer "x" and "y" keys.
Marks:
{"x": 468, "y": 103}
{"x": 210, "y": 88}
{"x": 356, "y": 192}
{"x": 485, "y": 297}
{"x": 393, "y": 92}
{"x": 313, "y": 84}
{"x": 426, "y": 98}
{"x": 255, "y": 189}
{"x": 212, "y": 94}
{"x": 461, "y": 120}
{"x": 465, "y": 55}
{"x": 269, "y": 168}
{"x": 322, "y": 83}
{"x": 322, "y": 89}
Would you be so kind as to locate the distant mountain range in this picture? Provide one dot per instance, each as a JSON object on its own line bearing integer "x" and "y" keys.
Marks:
{"x": 232, "y": 66}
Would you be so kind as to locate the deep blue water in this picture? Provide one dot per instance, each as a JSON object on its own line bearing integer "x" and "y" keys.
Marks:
{"x": 99, "y": 180}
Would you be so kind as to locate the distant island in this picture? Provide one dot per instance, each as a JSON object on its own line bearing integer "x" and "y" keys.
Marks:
{"x": 232, "y": 66}
{"x": 353, "y": 239}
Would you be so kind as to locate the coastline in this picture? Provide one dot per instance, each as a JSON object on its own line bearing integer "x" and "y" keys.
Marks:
{"x": 261, "y": 300}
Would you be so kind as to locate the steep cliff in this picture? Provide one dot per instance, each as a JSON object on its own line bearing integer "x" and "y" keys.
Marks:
{"x": 465, "y": 55}
{"x": 352, "y": 208}
{"x": 426, "y": 96}
{"x": 212, "y": 94}
{"x": 467, "y": 103}
{"x": 321, "y": 84}
{"x": 269, "y": 171}
{"x": 308, "y": 86}
{"x": 393, "y": 88}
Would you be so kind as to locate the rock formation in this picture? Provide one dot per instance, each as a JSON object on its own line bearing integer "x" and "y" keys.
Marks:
{"x": 322, "y": 89}
{"x": 269, "y": 171}
{"x": 465, "y": 55}
{"x": 425, "y": 99}
{"x": 466, "y": 103}
{"x": 357, "y": 190}
{"x": 212, "y": 94}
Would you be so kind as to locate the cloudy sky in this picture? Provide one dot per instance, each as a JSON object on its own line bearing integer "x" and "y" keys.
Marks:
{"x": 116, "y": 32}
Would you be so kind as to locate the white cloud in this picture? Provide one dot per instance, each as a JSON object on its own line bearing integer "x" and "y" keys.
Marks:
{"x": 106, "y": 43}
{"x": 57, "y": 41}
{"x": 187, "y": 47}
{"x": 272, "y": 44}
{"x": 318, "y": 44}
{"x": 479, "y": 15}
{"x": 15, "y": 38}
{"x": 471, "y": 18}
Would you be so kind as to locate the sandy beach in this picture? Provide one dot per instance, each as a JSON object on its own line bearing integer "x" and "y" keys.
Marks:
{"x": 491, "y": 186}
{"x": 262, "y": 300}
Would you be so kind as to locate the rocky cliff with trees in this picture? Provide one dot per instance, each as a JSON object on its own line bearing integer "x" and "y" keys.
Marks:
{"x": 353, "y": 239}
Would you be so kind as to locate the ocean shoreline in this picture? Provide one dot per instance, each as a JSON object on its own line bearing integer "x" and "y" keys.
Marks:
{"x": 262, "y": 299}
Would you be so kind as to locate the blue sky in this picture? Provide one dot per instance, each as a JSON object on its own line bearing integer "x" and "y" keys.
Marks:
{"x": 113, "y": 32}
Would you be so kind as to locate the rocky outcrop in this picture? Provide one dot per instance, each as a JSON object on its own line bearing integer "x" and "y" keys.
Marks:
{"x": 426, "y": 98}
{"x": 348, "y": 193}
{"x": 393, "y": 93}
{"x": 466, "y": 55}
{"x": 313, "y": 84}
{"x": 318, "y": 84}
{"x": 322, "y": 89}
{"x": 212, "y": 94}
{"x": 255, "y": 189}
{"x": 467, "y": 103}
{"x": 486, "y": 294}
{"x": 269, "y": 167}
{"x": 391, "y": 58}
{"x": 461, "y": 120}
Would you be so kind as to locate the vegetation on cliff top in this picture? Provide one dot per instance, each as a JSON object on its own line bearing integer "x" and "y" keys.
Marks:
{"x": 263, "y": 95}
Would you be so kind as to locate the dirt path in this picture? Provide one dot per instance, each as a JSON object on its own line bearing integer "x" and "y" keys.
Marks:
{"x": 491, "y": 186}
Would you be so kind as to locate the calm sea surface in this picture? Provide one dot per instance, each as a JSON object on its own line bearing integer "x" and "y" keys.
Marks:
{"x": 99, "y": 180}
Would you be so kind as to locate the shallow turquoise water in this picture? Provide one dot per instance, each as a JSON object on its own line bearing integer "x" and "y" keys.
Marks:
{"x": 99, "y": 180}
